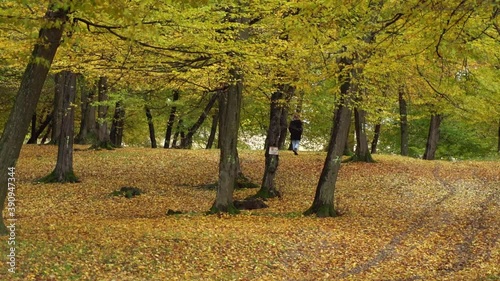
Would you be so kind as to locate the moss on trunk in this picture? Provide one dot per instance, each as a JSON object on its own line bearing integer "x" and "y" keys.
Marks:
{"x": 231, "y": 209}
{"x": 267, "y": 193}
{"x": 357, "y": 158}
{"x": 53, "y": 177}
{"x": 322, "y": 211}
{"x": 243, "y": 182}
{"x": 103, "y": 145}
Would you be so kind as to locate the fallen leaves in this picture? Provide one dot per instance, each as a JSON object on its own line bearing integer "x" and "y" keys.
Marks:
{"x": 404, "y": 219}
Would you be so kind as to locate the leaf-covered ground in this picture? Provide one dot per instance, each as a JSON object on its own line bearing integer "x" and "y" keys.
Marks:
{"x": 403, "y": 219}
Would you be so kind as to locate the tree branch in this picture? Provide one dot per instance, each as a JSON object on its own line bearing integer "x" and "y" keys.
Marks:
{"x": 112, "y": 29}
{"x": 441, "y": 94}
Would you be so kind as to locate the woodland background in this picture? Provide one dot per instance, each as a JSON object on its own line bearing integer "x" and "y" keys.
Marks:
{"x": 164, "y": 57}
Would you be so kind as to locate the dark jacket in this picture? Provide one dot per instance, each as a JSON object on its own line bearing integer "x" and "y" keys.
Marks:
{"x": 295, "y": 129}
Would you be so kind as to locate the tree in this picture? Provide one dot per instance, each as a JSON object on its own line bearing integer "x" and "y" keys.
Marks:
{"x": 229, "y": 107}
{"x": 179, "y": 131}
{"x": 63, "y": 171}
{"x": 29, "y": 92}
{"x": 187, "y": 141}
{"x": 213, "y": 129}
{"x": 35, "y": 133}
{"x": 323, "y": 204}
{"x": 103, "y": 140}
{"x": 58, "y": 109}
{"x": 376, "y": 137}
{"x": 403, "y": 123}
{"x": 116, "y": 132}
{"x": 433, "y": 137}
{"x": 361, "y": 153}
{"x": 171, "y": 119}
{"x": 87, "y": 120}
{"x": 268, "y": 187}
{"x": 151, "y": 126}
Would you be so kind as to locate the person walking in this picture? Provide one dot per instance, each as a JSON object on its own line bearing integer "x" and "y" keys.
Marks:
{"x": 295, "y": 129}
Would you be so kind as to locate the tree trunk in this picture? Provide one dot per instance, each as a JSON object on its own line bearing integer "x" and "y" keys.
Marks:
{"x": 362, "y": 153}
{"x": 298, "y": 110}
{"x": 103, "y": 140}
{"x": 289, "y": 92}
{"x": 375, "y": 139}
{"x": 268, "y": 188}
{"x": 403, "y": 122}
{"x": 432, "y": 137}
{"x": 27, "y": 98}
{"x": 187, "y": 142}
{"x": 63, "y": 171}
{"x": 349, "y": 143}
{"x": 151, "y": 126}
{"x": 87, "y": 121}
{"x": 58, "y": 109}
{"x": 213, "y": 130}
{"x": 229, "y": 107}
{"x": 498, "y": 136}
{"x": 323, "y": 204}
{"x": 178, "y": 131}
{"x": 46, "y": 136}
{"x": 283, "y": 128}
{"x": 35, "y": 135}
{"x": 33, "y": 129}
{"x": 171, "y": 119}
{"x": 116, "y": 132}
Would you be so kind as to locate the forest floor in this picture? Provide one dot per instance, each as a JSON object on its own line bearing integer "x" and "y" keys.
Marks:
{"x": 402, "y": 219}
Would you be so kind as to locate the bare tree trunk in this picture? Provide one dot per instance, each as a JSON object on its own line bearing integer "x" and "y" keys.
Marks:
{"x": 362, "y": 153}
{"x": 116, "y": 132}
{"x": 213, "y": 130}
{"x": 33, "y": 129}
{"x": 46, "y": 136}
{"x": 171, "y": 119}
{"x": 27, "y": 97}
{"x": 87, "y": 121}
{"x": 229, "y": 107}
{"x": 432, "y": 137}
{"x": 151, "y": 127}
{"x": 103, "y": 140}
{"x": 323, "y": 204}
{"x": 63, "y": 171}
{"x": 58, "y": 109}
{"x": 376, "y": 136}
{"x": 289, "y": 92}
{"x": 178, "y": 131}
{"x": 34, "y": 135}
{"x": 187, "y": 142}
{"x": 349, "y": 143}
{"x": 403, "y": 122}
{"x": 283, "y": 128}
{"x": 268, "y": 188}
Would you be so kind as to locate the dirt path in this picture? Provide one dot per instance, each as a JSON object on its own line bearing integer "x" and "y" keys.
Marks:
{"x": 466, "y": 252}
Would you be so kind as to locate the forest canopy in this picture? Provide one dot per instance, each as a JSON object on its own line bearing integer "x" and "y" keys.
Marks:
{"x": 442, "y": 57}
